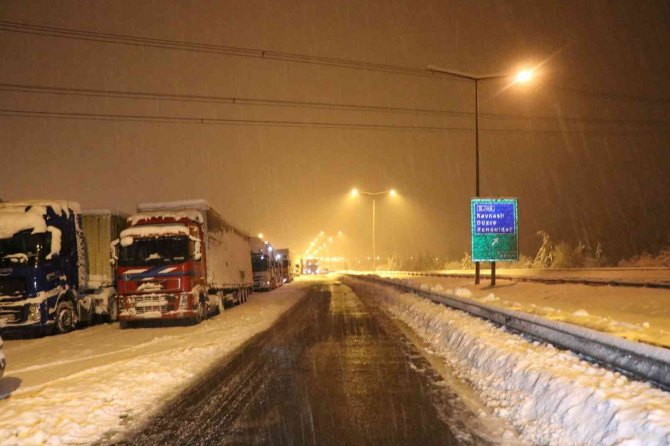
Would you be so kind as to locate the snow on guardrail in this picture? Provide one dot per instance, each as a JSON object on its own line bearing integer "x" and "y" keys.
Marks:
{"x": 642, "y": 283}
{"x": 642, "y": 361}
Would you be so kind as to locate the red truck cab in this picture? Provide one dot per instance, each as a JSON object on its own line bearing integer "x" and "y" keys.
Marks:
{"x": 161, "y": 268}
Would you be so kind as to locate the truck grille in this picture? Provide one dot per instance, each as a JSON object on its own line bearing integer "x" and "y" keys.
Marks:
{"x": 12, "y": 285}
{"x": 158, "y": 308}
{"x": 12, "y": 314}
{"x": 150, "y": 303}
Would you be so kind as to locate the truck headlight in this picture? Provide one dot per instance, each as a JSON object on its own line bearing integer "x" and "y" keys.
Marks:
{"x": 183, "y": 302}
{"x": 34, "y": 313}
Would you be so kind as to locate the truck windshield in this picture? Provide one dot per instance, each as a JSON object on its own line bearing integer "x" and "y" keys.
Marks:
{"x": 259, "y": 263}
{"x": 155, "y": 251}
{"x": 21, "y": 247}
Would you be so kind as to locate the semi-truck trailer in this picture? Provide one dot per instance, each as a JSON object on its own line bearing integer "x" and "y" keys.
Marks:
{"x": 285, "y": 260}
{"x": 44, "y": 284}
{"x": 101, "y": 227}
{"x": 265, "y": 269}
{"x": 179, "y": 260}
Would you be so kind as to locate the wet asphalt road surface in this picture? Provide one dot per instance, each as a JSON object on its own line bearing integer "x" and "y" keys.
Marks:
{"x": 333, "y": 371}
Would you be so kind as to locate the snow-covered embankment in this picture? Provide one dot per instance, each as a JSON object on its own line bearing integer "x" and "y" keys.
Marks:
{"x": 551, "y": 396}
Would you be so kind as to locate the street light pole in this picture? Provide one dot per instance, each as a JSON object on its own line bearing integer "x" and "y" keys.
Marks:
{"x": 477, "y": 264}
{"x": 392, "y": 193}
{"x": 521, "y": 77}
{"x": 374, "y": 243}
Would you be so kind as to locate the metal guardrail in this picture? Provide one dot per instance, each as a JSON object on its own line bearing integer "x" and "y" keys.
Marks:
{"x": 547, "y": 280}
{"x": 642, "y": 361}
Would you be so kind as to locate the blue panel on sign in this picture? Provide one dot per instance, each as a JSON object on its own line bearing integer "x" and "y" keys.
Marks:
{"x": 494, "y": 218}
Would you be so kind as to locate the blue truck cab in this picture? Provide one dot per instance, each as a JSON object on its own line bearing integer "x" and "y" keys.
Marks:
{"x": 42, "y": 267}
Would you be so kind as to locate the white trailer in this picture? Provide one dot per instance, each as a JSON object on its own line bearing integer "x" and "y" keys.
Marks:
{"x": 101, "y": 227}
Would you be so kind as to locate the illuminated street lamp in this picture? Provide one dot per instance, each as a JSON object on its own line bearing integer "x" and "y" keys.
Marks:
{"x": 521, "y": 77}
{"x": 392, "y": 193}
{"x": 260, "y": 235}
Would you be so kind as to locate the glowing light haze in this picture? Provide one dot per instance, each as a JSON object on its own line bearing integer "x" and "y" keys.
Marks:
{"x": 276, "y": 145}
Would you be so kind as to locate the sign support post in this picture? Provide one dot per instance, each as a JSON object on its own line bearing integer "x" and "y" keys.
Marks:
{"x": 495, "y": 237}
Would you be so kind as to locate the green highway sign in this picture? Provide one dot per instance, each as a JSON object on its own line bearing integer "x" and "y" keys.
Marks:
{"x": 495, "y": 229}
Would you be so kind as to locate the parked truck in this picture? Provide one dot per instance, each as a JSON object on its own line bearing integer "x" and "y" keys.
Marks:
{"x": 285, "y": 262}
{"x": 297, "y": 266}
{"x": 264, "y": 263}
{"x": 179, "y": 260}
{"x": 311, "y": 266}
{"x": 44, "y": 284}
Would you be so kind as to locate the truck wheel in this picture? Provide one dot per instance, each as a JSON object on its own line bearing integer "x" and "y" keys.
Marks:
{"x": 65, "y": 319}
{"x": 113, "y": 311}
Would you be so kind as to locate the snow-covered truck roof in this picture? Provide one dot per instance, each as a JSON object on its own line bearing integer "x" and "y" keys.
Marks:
{"x": 58, "y": 206}
{"x": 195, "y": 210}
{"x": 198, "y": 204}
{"x": 103, "y": 211}
{"x": 16, "y": 216}
{"x": 192, "y": 215}
{"x": 128, "y": 234}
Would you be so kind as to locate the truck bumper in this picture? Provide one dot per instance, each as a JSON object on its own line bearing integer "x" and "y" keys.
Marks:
{"x": 179, "y": 314}
{"x": 156, "y": 306}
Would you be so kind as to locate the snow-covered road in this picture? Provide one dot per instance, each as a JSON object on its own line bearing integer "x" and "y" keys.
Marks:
{"x": 90, "y": 384}
{"x": 551, "y": 396}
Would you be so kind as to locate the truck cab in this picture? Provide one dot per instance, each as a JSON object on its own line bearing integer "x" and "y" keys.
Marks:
{"x": 42, "y": 266}
{"x": 160, "y": 268}
{"x": 285, "y": 261}
{"x": 266, "y": 273}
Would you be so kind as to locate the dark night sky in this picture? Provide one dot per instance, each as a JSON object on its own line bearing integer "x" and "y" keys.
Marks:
{"x": 584, "y": 147}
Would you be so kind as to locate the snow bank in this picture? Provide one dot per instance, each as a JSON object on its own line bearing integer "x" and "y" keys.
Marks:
{"x": 128, "y": 234}
{"x": 91, "y": 395}
{"x": 550, "y": 395}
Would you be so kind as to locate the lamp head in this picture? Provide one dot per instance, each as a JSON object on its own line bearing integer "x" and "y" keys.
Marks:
{"x": 523, "y": 76}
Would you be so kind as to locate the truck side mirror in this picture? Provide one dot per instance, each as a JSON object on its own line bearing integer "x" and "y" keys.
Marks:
{"x": 197, "y": 253}
{"x": 54, "y": 249}
{"x": 113, "y": 256}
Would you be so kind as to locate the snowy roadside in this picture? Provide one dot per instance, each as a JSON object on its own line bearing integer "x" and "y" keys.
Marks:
{"x": 105, "y": 391}
{"x": 549, "y": 395}
{"x": 636, "y": 314}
